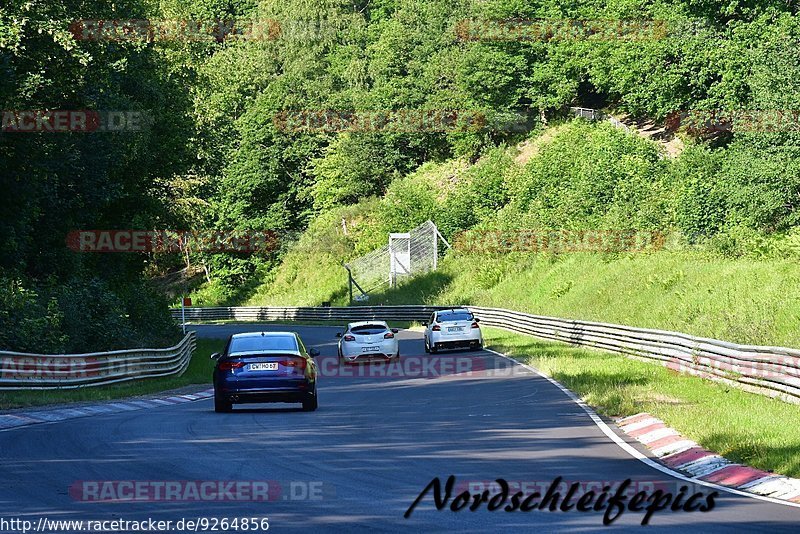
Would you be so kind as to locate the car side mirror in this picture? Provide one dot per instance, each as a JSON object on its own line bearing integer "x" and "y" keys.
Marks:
{"x": 338, "y": 334}
{"x": 424, "y": 323}
{"x": 313, "y": 353}
{"x": 395, "y": 330}
{"x": 215, "y": 356}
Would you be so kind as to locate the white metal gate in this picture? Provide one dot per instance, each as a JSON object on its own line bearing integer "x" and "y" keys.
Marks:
{"x": 405, "y": 255}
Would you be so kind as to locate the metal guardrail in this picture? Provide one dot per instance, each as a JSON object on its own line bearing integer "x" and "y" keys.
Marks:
{"x": 774, "y": 371}
{"x": 68, "y": 371}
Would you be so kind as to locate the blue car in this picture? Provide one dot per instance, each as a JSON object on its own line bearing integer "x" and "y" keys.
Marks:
{"x": 265, "y": 367}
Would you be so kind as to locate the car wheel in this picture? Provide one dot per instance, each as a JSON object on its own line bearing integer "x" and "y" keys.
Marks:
{"x": 221, "y": 405}
{"x": 425, "y": 343}
{"x": 310, "y": 403}
{"x": 433, "y": 349}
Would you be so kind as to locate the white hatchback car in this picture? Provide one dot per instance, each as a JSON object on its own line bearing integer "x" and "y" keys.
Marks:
{"x": 452, "y": 329}
{"x": 367, "y": 341}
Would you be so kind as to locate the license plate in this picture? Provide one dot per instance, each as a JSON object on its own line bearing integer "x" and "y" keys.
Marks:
{"x": 455, "y": 328}
{"x": 370, "y": 349}
{"x": 271, "y": 366}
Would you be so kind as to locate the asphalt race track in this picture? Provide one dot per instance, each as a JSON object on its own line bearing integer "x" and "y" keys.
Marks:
{"x": 359, "y": 461}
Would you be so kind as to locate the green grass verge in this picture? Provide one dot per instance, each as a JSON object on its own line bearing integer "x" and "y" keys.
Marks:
{"x": 198, "y": 372}
{"x": 744, "y": 427}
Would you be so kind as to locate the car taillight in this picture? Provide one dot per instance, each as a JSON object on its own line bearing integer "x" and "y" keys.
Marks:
{"x": 300, "y": 363}
{"x": 475, "y": 325}
{"x": 349, "y": 338}
{"x": 230, "y": 366}
{"x": 436, "y": 328}
{"x": 388, "y": 335}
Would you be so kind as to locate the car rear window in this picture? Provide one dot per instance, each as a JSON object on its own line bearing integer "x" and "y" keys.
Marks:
{"x": 455, "y": 316}
{"x": 248, "y": 344}
{"x": 368, "y": 329}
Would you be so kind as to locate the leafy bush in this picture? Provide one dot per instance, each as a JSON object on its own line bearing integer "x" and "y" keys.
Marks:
{"x": 589, "y": 176}
{"x": 28, "y": 322}
{"x": 358, "y": 166}
{"x": 409, "y": 202}
{"x": 762, "y": 186}
{"x": 480, "y": 191}
{"x": 83, "y": 315}
{"x": 698, "y": 204}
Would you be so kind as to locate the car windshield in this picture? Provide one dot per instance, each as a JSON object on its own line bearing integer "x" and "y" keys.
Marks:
{"x": 368, "y": 329}
{"x": 251, "y": 344}
{"x": 455, "y": 316}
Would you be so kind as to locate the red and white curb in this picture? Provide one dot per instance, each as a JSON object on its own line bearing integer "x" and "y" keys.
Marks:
{"x": 19, "y": 419}
{"x": 686, "y": 456}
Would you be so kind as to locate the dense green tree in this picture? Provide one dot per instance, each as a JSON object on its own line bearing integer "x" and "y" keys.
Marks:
{"x": 216, "y": 153}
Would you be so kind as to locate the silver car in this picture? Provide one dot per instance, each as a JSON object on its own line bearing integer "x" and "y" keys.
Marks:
{"x": 367, "y": 341}
{"x": 452, "y": 329}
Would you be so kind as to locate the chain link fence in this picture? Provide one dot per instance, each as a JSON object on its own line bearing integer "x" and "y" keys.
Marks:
{"x": 405, "y": 255}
